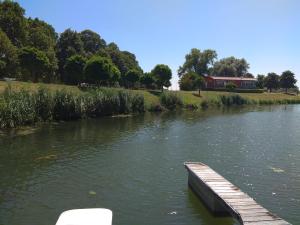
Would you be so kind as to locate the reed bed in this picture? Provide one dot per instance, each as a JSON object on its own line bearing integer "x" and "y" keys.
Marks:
{"x": 20, "y": 108}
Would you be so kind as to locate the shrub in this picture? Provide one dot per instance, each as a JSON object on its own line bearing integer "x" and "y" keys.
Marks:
{"x": 156, "y": 107}
{"x": 65, "y": 106}
{"x": 233, "y": 100}
{"x": 170, "y": 100}
{"x": 43, "y": 104}
{"x": 17, "y": 109}
{"x": 231, "y": 86}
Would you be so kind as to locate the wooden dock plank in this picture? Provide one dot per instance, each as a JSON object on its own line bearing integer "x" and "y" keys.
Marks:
{"x": 221, "y": 195}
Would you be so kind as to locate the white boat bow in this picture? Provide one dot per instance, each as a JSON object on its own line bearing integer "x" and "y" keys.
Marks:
{"x": 97, "y": 216}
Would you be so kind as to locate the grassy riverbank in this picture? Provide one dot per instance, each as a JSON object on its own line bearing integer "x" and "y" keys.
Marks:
{"x": 24, "y": 103}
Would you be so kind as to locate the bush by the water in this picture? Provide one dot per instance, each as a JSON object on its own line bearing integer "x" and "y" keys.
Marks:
{"x": 171, "y": 100}
{"x": 26, "y": 108}
{"x": 229, "y": 100}
{"x": 231, "y": 86}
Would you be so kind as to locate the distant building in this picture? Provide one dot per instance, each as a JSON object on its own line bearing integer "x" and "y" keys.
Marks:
{"x": 240, "y": 82}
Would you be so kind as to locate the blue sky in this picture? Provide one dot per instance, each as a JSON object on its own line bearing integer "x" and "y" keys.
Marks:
{"x": 265, "y": 32}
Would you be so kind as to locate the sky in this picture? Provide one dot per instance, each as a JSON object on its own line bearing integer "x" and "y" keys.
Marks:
{"x": 264, "y": 32}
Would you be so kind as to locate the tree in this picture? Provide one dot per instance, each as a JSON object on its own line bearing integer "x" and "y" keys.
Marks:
{"x": 42, "y": 36}
{"x": 68, "y": 44}
{"x": 8, "y": 57}
{"x": 34, "y": 63}
{"x": 162, "y": 75}
{"x": 124, "y": 60}
{"x": 74, "y": 69}
{"x": 249, "y": 75}
{"x": 199, "y": 83}
{"x": 147, "y": 80}
{"x": 272, "y": 81}
{"x": 287, "y": 80}
{"x": 230, "y": 86}
{"x": 131, "y": 77}
{"x": 191, "y": 81}
{"x": 186, "y": 82}
{"x": 198, "y": 62}
{"x": 100, "y": 70}
{"x": 116, "y": 76}
{"x": 230, "y": 67}
{"x": 13, "y": 22}
{"x": 92, "y": 42}
{"x": 260, "y": 81}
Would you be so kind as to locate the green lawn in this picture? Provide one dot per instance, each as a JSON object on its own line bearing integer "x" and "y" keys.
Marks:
{"x": 152, "y": 97}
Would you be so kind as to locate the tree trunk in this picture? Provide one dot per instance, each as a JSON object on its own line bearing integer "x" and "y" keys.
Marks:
{"x": 199, "y": 92}
{"x": 35, "y": 77}
{"x": 286, "y": 90}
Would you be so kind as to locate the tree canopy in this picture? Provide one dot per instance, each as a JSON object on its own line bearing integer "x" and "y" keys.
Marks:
{"x": 162, "y": 75}
{"x": 13, "y": 22}
{"x": 31, "y": 49}
{"x": 272, "y": 81}
{"x": 260, "y": 81}
{"x": 147, "y": 80}
{"x": 69, "y": 43}
{"x": 230, "y": 67}
{"x": 100, "y": 70}
{"x": 191, "y": 81}
{"x": 74, "y": 69}
{"x": 287, "y": 80}
{"x": 132, "y": 76}
{"x": 42, "y": 36}
{"x": 8, "y": 57}
{"x": 198, "y": 62}
{"x": 34, "y": 62}
{"x": 92, "y": 42}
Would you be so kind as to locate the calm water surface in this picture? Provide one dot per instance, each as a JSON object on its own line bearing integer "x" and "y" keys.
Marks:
{"x": 134, "y": 166}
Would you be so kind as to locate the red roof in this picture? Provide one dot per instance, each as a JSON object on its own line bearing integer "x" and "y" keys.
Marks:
{"x": 232, "y": 78}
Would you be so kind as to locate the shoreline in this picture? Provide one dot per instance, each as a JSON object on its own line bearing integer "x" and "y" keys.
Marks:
{"x": 27, "y": 104}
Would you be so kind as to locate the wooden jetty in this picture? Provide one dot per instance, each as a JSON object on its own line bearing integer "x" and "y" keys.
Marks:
{"x": 224, "y": 198}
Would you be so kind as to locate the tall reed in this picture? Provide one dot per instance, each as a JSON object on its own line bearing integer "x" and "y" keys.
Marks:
{"x": 26, "y": 108}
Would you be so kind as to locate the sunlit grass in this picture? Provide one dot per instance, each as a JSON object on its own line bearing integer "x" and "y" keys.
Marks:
{"x": 152, "y": 97}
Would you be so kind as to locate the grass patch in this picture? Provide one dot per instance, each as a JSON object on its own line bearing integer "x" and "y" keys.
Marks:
{"x": 171, "y": 100}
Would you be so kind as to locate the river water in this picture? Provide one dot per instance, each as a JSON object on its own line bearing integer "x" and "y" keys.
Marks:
{"x": 134, "y": 165}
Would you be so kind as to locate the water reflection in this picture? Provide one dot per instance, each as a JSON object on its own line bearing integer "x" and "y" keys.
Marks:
{"x": 134, "y": 165}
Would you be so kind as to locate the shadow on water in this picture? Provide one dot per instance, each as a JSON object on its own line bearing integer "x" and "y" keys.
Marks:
{"x": 205, "y": 216}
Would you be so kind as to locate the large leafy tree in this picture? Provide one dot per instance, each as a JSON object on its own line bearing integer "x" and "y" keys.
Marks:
{"x": 100, "y": 70}
{"x": 92, "y": 42}
{"x": 34, "y": 64}
{"x": 147, "y": 80}
{"x": 287, "y": 80}
{"x": 260, "y": 81}
{"x": 124, "y": 60}
{"x": 74, "y": 69}
{"x": 272, "y": 81}
{"x": 198, "y": 61}
{"x": 13, "y": 22}
{"x": 191, "y": 81}
{"x": 42, "y": 36}
{"x": 131, "y": 77}
{"x": 230, "y": 67}
{"x": 68, "y": 44}
{"x": 8, "y": 57}
{"x": 162, "y": 75}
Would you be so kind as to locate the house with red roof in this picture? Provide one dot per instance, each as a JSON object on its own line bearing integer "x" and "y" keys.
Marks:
{"x": 221, "y": 82}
